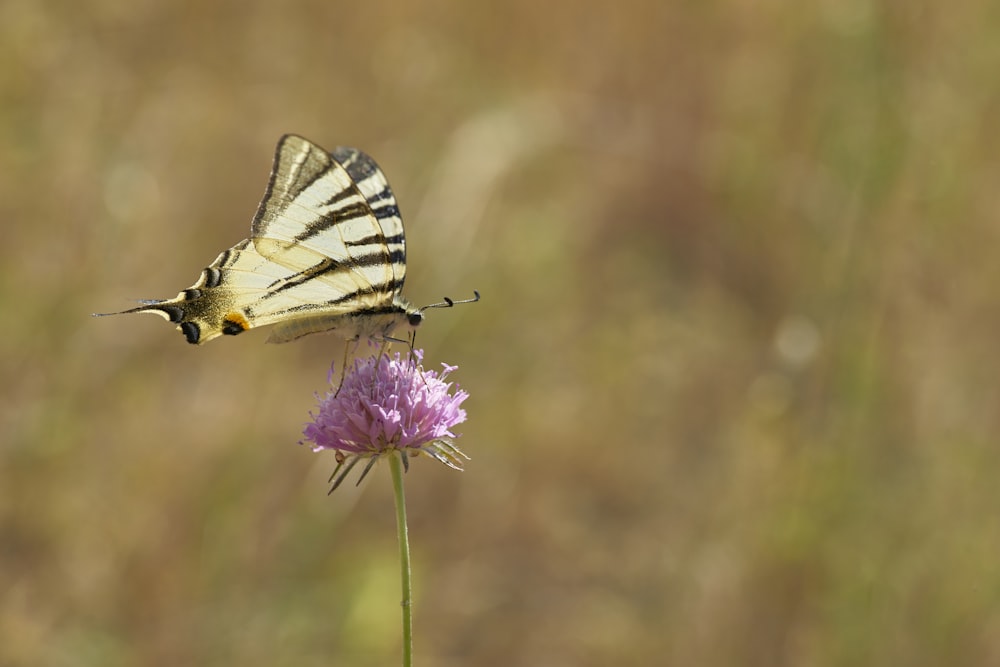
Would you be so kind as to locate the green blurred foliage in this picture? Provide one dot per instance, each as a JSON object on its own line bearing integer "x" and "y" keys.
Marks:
{"x": 734, "y": 394}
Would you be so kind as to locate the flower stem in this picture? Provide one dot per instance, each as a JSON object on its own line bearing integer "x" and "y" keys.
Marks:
{"x": 396, "y": 466}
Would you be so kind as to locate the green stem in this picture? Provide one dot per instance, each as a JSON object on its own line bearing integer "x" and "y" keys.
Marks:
{"x": 396, "y": 467}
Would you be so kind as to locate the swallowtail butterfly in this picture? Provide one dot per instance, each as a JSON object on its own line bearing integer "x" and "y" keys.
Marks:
{"x": 326, "y": 253}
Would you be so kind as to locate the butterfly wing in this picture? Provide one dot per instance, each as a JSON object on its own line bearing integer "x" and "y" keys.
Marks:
{"x": 327, "y": 252}
{"x": 333, "y": 219}
{"x": 338, "y": 207}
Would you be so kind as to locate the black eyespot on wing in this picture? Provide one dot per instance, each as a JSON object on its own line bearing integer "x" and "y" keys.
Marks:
{"x": 191, "y": 331}
{"x": 174, "y": 313}
{"x": 212, "y": 277}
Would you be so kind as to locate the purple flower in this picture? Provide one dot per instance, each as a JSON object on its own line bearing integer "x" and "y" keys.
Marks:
{"x": 387, "y": 405}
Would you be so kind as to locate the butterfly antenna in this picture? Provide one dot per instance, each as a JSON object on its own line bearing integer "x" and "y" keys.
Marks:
{"x": 448, "y": 302}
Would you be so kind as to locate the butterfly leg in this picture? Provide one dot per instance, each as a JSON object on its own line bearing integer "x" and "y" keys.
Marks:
{"x": 412, "y": 342}
{"x": 343, "y": 368}
{"x": 415, "y": 361}
{"x": 383, "y": 349}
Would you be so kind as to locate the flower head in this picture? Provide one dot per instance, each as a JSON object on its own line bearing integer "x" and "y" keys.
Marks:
{"x": 388, "y": 405}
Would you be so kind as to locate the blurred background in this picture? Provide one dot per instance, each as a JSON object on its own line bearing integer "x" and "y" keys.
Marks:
{"x": 733, "y": 379}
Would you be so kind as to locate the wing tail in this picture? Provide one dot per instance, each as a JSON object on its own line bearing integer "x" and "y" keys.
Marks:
{"x": 193, "y": 317}
{"x": 203, "y": 311}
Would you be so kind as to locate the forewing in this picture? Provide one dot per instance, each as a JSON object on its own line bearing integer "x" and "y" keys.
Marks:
{"x": 341, "y": 209}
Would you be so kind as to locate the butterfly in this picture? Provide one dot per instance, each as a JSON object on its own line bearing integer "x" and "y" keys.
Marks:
{"x": 326, "y": 253}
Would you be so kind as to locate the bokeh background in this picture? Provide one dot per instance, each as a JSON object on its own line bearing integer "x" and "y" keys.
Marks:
{"x": 734, "y": 377}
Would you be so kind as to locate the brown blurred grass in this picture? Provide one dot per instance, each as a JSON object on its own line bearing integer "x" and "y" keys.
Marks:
{"x": 734, "y": 375}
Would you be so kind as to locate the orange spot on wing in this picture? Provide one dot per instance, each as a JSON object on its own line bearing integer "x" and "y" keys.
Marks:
{"x": 236, "y": 320}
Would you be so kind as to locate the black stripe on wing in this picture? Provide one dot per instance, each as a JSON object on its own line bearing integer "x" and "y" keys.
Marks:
{"x": 330, "y": 265}
{"x": 385, "y": 211}
{"x": 334, "y": 218}
{"x": 376, "y": 238}
{"x": 359, "y": 165}
{"x": 348, "y": 297}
